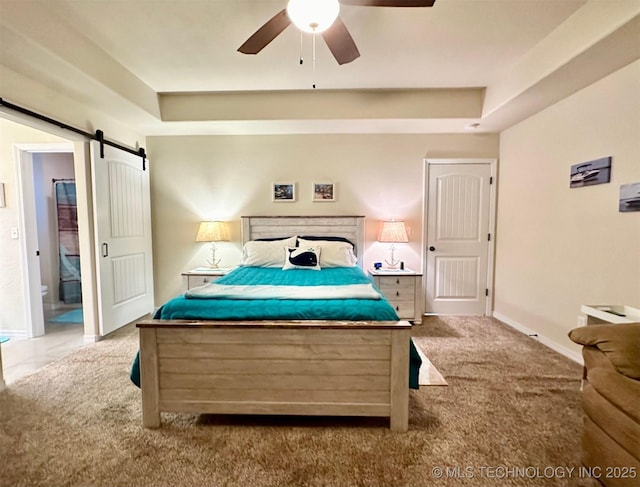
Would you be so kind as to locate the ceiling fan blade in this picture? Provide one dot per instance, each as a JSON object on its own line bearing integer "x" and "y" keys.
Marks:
{"x": 265, "y": 34}
{"x": 340, "y": 42}
{"x": 390, "y": 3}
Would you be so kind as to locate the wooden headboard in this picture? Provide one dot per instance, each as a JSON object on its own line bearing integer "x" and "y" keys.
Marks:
{"x": 350, "y": 227}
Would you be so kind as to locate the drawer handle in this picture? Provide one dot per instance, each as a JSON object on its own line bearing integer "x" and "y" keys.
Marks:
{"x": 397, "y": 308}
{"x": 397, "y": 281}
{"x": 397, "y": 293}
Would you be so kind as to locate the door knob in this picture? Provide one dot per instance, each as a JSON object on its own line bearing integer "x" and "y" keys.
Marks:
{"x": 432, "y": 248}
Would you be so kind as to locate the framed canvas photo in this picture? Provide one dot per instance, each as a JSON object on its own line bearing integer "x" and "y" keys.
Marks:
{"x": 629, "y": 197}
{"x": 283, "y": 192}
{"x": 589, "y": 173}
{"x": 324, "y": 192}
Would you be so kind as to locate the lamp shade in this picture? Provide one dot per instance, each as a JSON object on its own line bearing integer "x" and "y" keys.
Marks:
{"x": 212, "y": 231}
{"x": 313, "y": 15}
{"x": 393, "y": 231}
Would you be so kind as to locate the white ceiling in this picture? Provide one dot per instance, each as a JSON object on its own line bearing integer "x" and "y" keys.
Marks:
{"x": 125, "y": 52}
{"x": 191, "y": 45}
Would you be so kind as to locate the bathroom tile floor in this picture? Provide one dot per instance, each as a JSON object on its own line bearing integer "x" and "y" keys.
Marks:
{"x": 23, "y": 356}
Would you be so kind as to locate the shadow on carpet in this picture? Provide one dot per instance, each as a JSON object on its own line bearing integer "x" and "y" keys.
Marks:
{"x": 435, "y": 326}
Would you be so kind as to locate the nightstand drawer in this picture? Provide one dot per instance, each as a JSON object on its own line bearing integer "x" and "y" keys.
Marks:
{"x": 195, "y": 281}
{"x": 399, "y": 287}
{"x": 201, "y": 276}
{"x": 403, "y": 291}
{"x": 405, "y": 309}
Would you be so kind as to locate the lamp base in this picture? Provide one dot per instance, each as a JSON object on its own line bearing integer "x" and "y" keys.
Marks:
{"x": 394, "y": 264}
{"x": 213, "y": 263}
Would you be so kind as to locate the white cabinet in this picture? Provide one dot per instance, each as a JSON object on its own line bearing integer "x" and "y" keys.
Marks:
{"x": 201, "y": 276}
{"x": 403, "y": 289}
{"x": 610, "y": 313}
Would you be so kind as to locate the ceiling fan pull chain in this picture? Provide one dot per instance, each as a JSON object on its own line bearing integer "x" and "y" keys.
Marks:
{"x": 314, "y": 61}
{"x": 301, "y": 58}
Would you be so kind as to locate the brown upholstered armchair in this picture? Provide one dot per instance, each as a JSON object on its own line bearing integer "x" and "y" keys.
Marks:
{"x": 611, "y": 401}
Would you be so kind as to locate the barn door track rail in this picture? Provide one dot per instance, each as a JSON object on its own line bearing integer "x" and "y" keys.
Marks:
{"x": 99, "y": 134}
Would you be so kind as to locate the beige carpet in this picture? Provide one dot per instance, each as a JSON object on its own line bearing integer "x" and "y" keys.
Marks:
{"x": 510, "y": 403}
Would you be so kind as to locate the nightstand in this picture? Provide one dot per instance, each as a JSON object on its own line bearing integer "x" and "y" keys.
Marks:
{"x": 403, "y": 289}
{"x": 201, "y": 276}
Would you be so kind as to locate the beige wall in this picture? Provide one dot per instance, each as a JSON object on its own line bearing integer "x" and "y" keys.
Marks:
{"x": 12, "y": 287}
{"x": 558, "y": 248}
{"x": 225, "y": 177}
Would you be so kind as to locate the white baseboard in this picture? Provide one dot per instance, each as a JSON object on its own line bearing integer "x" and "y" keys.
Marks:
{"x": 570, "y": 354}
{"x": 90, "y": 339}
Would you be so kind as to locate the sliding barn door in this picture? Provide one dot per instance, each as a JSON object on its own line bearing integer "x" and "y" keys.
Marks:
{"x": 122, "y": 218}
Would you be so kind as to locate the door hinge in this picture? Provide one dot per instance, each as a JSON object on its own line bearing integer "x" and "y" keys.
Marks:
{"x": 486, "y": 292}
{"x": 489, "y": 238}
{"x": 490, "y": 179}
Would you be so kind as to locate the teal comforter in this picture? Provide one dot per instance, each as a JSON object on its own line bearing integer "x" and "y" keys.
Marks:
{"x": 182, "y": 307}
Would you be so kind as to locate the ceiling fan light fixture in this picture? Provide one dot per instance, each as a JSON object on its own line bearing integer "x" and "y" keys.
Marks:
{"x": 313, "y": 16}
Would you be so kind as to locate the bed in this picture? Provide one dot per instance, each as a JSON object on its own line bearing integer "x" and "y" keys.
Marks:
{"x": 354, "y": 361}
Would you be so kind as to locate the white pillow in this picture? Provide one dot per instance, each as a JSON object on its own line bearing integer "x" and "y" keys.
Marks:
{"x": 259, "y": 253}
{"x": 334, "y": 253}
{"x": 304, "y": 257}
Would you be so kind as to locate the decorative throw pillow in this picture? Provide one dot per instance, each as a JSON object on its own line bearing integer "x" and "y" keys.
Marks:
{"x": 302, "y": 258}
{"x": 334, "y": 253}
{"x": 265, "y": 254}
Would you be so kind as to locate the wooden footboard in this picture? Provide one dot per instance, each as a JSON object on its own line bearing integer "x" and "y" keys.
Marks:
{"x": 272, "y": 367}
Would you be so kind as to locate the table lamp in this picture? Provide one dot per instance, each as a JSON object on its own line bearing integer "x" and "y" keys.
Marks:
{"x": 393, "y": 231}
{"x": 213, "y": 231}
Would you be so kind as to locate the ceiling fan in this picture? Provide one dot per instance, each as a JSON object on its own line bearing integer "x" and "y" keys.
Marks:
{"x": 333, "y": 30}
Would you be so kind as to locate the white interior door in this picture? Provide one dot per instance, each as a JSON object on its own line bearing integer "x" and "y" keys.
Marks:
{"x": 28, "y": 232}
{"x": 457, "y": 238}
{"x": 122, "y": 216}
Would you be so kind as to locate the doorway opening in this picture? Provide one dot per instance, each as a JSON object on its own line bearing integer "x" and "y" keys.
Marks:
{"x": 58, "y": 242}
{"x": 29, "y": 290}
{"x": 50, "y": 237}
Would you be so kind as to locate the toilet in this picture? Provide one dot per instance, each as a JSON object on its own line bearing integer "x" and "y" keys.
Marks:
{"x": 43, "y": 290}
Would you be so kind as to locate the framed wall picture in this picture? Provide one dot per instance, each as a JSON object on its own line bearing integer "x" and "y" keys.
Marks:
{"x": 630, "y": 197}
{"x": 589, "y": 173}
{"x": 324, "y": 192}
{"x": 283, "y": 192}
